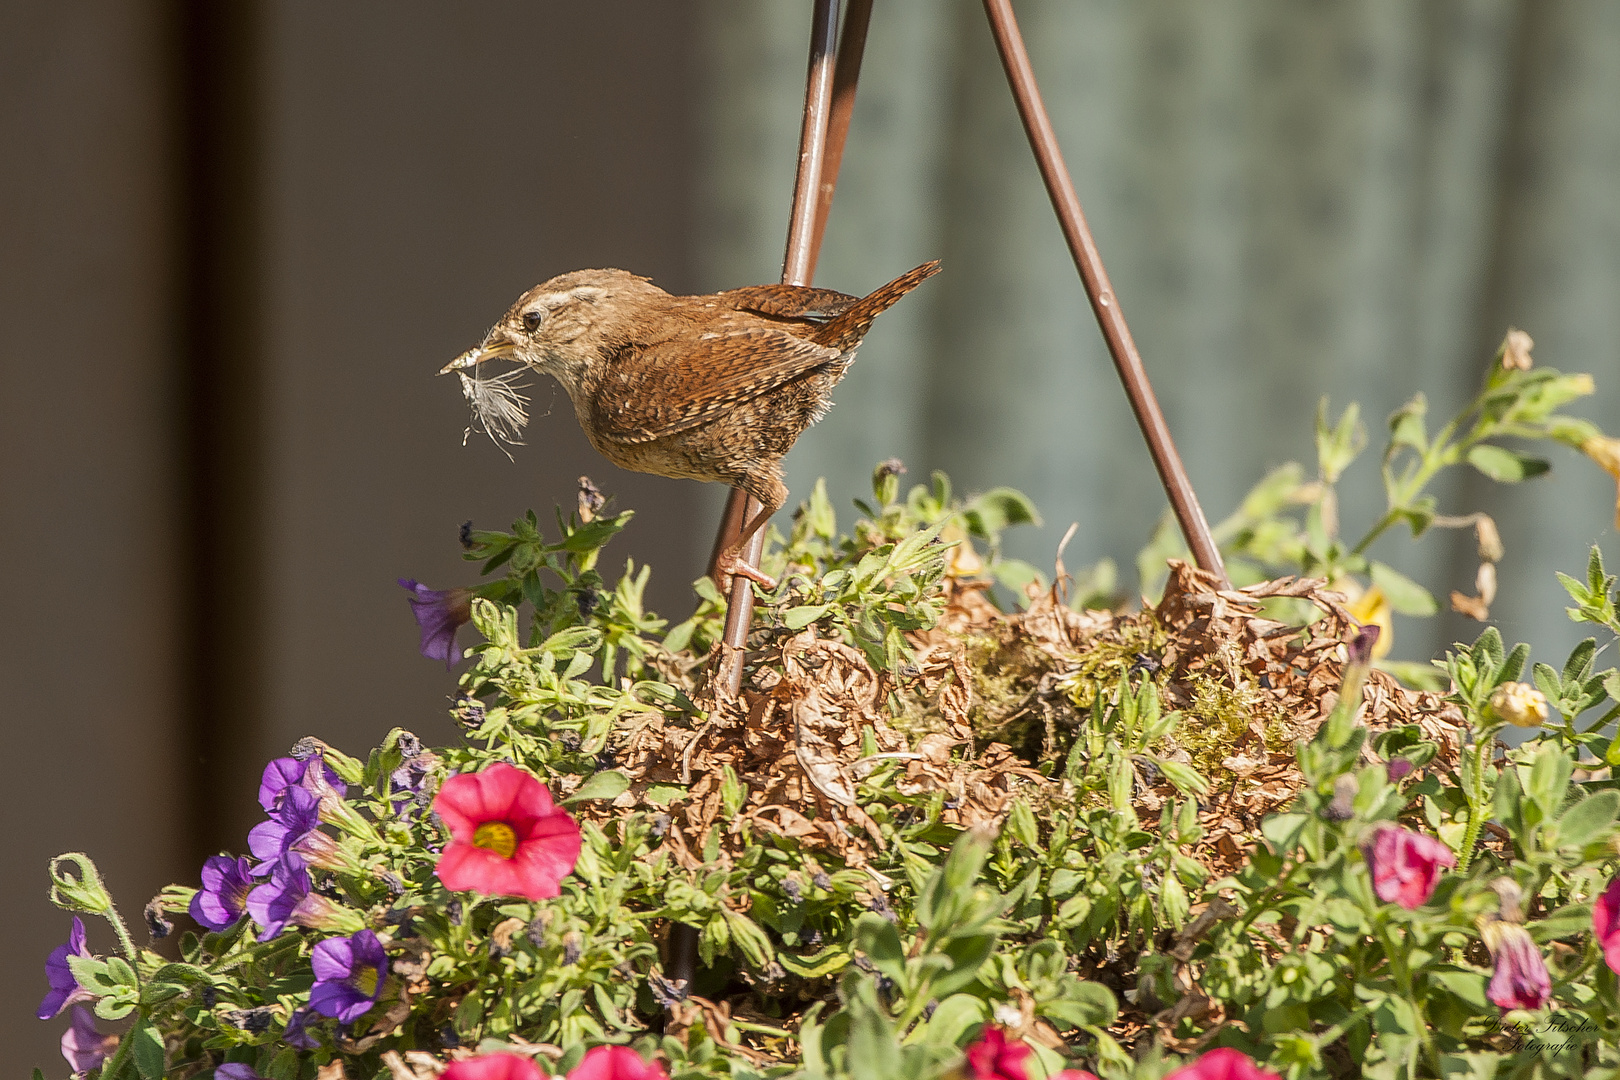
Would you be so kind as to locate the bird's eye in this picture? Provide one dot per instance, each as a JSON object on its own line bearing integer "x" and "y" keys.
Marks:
{"x": 533, "y": 319}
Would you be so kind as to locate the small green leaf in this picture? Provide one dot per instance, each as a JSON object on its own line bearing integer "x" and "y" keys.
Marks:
{"x": 1566, "y": 922}
{"x": 880, "y": 941}
{"x": 1182, "y": 776}
{"x": 664, "y": 794}
{"x": 955, "y": 1014}
{"x": 1282, "y": 830}
{"x": 1405, "y": 595}
{"x": 874, "y": 1052}
{"x": 800, "y": 617}
{"x": 1021, "y": 824}
{"x": 988, "y": 514}
{"x": 968, "y": 955}
{"x": 1406, "y": 424}
{"x": 748, "y": 937}
{"x": 1504, "y": 466}
{"x": 826, "y": 962}
{"x": 1337, "y": 446}
{"x": 150, "y": 1059}
{"x": 608, "y": 784}
{"x": 1588, "y": 818}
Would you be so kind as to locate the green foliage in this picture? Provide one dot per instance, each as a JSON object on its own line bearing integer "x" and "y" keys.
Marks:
{"x": 1289, "y": 524}
{"x": 1067, "y": 909}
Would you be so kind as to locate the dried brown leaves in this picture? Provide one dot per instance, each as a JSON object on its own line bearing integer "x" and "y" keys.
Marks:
{"x": 802, "y": 734}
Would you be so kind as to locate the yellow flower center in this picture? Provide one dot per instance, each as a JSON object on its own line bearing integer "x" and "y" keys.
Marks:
{"x": 366, "y": 981}
{"x": 496, "y": 836}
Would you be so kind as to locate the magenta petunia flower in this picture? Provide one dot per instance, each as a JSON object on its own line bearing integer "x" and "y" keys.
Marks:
{"x": 286, "y": 898}
{"x": 65, "y": 989}
{"x": 439, "y": 614}
{"x": 1405, "y": 865}
{"x": 995, "y": 1057}
{"x": 493, "y": 1067}
{"x": 1223, "y": 1063}
{"x": 226, "y": 882}
{"x": 349, "y": 974}
{"x": 84, "y": 1047}
{"x": 1606, "y": 924}
{"x": 507, "y": 839}
{"x": 616, "y": 1063}
{"x": 284, "y": 772}
{"x": 1520, "y": 980}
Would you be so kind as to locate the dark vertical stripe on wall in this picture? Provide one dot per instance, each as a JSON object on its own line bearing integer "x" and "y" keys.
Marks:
{"x": 219, "y": 363}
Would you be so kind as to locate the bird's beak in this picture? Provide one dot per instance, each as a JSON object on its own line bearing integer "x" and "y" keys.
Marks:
{"x": 493, "y": 348}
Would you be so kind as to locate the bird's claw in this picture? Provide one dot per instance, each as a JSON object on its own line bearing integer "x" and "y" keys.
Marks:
{"x": 731, "y": 565}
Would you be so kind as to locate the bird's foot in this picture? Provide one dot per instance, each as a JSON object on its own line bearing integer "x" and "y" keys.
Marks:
{"x": 731, "y": 564}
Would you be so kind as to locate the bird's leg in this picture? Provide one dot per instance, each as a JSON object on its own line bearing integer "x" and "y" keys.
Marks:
{"x": 731, "y": 563}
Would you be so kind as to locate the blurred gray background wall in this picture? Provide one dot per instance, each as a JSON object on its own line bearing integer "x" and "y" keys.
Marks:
{"x": 236, "y": 241}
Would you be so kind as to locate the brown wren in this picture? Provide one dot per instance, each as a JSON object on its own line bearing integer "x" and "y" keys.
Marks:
{"x": 714, "y": 387}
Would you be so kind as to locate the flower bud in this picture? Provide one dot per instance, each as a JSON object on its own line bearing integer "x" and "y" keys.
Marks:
{"x": 1520, "y": 704}
{"x": 1343, "y": 806}
{"x": 1520, "y": 980}
{"x": 1514, "y": 353}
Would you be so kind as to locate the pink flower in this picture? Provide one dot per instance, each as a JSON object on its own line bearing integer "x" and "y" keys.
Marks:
{"x": 1520, "y": 980}
{"x": 995, "y": 1057}
{"x": 1223, "y": 1064}
{"x": 507, "y": 839}
{"x": 1606, "y": 924}
{"x": 616, "y": 1063}
{"x": 493, "y": 1067}
{"x": 1405, "y": 865}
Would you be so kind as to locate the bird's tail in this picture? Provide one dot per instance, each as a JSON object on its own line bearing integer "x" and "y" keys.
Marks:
{"x": 852, "y": 324}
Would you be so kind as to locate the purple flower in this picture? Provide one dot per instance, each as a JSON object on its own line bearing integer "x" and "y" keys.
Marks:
{"x": 296, "y": 1034}
{"x": 1520, "y": 980}
{"x": 84, "y": 1047}
{"x": 286, "y": 898}
{"x": 349, "y": 975}
{"x": 407, "y": 781}
{"x": 237, "y": 1071}
{"x": 294, "y": 826}
{"x": 439, "y": 613}
{"x": 65, "y": 989}
{"x": 223, "y": 896}
{"x": 284, "y": 772}
{"x": 1397, "y": 769}
{"x": 1361, "y": 646}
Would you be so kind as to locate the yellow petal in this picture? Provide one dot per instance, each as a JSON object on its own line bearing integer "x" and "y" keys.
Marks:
{"x": 1371, "y": 608}
{"x": 1605, "y": 451}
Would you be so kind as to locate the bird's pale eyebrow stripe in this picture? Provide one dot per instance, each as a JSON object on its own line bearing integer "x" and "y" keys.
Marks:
{"x": 582, "y": 292}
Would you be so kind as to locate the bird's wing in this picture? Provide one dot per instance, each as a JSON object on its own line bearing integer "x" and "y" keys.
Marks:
{"x": 649, "y": 391}
{"x": 790, "y": 302}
